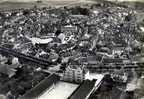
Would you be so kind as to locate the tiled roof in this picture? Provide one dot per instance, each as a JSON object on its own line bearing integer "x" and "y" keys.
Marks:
{"x": 41, "y": 87}
{"x": 112, "y": 60}
{"x": 83, "y": 90}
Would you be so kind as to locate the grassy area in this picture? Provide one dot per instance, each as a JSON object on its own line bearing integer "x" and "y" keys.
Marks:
{"x": 56, "y": 3}
{"x": 128, "y": 0}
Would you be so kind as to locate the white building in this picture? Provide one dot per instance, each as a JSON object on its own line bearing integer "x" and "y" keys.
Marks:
{"x": 73, "y": 74}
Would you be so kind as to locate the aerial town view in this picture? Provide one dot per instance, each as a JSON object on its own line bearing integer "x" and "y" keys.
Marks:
{"x": 71, "y": 49}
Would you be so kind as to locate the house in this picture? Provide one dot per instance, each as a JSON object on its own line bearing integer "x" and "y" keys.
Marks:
{"x": 72, "y": 74}
{"x": 69, "y": 28}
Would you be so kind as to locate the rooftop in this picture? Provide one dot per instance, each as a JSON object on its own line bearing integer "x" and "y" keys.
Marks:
{"x": 61, "y": 90}
{"x": 83, "y": 90}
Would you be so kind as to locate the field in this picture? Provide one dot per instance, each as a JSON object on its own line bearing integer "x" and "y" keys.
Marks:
{"x": 16, "y": 4}
{"x": 56, "y": 3}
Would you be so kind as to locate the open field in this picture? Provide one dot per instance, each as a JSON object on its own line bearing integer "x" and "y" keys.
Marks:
{"x": 128, "y": 0}
{"x": 56, "y": 3}
{"x": 16, "y": 4}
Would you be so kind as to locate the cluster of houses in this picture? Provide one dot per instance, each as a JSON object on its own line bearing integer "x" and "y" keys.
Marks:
{"x": 103, "y": 40}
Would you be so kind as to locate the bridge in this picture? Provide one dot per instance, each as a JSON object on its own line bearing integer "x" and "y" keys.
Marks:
{"x": 110, "y": 67}
{"x": 26, "y": 58}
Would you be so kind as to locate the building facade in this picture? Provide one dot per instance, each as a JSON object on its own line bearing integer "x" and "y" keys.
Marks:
{"x": 73, "y": 74}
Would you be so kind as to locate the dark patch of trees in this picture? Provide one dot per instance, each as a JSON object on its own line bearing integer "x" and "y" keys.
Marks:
{"x": 80, "y": 10}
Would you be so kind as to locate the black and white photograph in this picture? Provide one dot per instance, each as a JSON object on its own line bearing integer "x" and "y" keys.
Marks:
{"x": 71, "y": 49}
